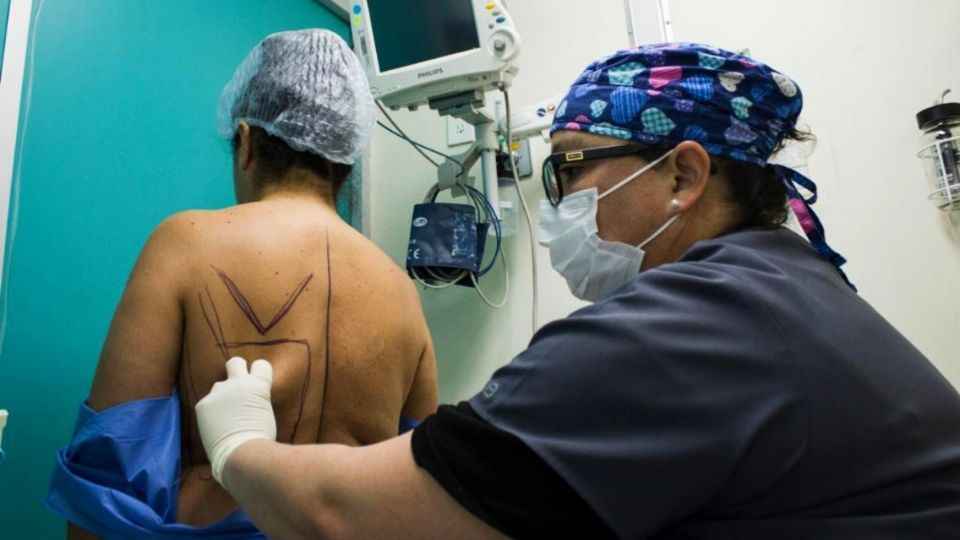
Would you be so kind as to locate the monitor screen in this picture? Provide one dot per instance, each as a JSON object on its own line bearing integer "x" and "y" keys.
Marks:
{"x": 408, "y": 32}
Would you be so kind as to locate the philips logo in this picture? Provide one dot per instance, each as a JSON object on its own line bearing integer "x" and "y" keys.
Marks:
{"x": 431, "y": 73}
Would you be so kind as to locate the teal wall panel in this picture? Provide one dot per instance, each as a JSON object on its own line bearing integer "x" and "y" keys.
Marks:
{"x": 120, "y": 133}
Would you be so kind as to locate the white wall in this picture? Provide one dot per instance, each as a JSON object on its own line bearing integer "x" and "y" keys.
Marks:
{"x": 11, "y": 84}
{"x": 866, "y": 68}
{"x": 560, "y": 38}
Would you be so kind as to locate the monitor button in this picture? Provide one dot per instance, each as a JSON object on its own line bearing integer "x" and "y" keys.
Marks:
{"x": 501, "y": 20}
{"x": 357, "y": 9}
{"x": 491, "y": 6}
{"x": 503, "y": 44}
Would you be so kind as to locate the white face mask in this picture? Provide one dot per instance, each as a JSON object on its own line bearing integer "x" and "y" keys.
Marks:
{"x": 593, "y": 267}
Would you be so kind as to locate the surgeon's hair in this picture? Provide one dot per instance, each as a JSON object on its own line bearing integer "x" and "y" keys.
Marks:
{"x": 275, "y": 158}
{"x": 757, "y": 193}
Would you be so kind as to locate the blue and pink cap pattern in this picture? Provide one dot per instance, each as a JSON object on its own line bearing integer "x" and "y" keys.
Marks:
{"x": 664, "y": 94}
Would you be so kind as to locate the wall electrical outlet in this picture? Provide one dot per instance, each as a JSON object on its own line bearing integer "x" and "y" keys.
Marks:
{"x": 459, "y": 132}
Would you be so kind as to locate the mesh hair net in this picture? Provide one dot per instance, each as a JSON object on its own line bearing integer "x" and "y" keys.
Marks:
{"x": 305, "y": 87}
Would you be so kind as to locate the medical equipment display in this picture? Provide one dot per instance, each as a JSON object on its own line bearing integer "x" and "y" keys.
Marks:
{"x": 3, "y": 423}
{"x": 448, "y": 55}
{"x": 940, "y": 152}
{"x": 416, "y": 51}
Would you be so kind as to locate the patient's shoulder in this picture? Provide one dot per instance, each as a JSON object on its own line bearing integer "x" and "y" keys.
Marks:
{"x": 163, "y": 260}
{"x": 193, "y": 234}
{"x": 192, "y": 223}
{"x": 176, "y": 245}
{"x": 180, "y": 231}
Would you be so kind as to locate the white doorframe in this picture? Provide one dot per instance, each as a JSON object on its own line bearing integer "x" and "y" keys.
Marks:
{"x": 647, "y": 19}
{"x": 11, "y": 90}
{"x": 340, "y": 8}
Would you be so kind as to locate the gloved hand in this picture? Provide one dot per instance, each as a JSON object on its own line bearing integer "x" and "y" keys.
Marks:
{"x": 236, "y": 411}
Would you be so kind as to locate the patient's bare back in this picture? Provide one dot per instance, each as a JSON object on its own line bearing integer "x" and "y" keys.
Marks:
{"x": 336, "y": 318}
{"x": 288, "y": 281}
{"x": 338, "y": 321}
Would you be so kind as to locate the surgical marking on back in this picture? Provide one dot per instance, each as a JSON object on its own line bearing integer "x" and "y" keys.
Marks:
{"x": 211, "y": 315}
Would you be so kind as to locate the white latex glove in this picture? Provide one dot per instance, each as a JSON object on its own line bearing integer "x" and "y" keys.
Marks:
{"x": 236, "y": 411}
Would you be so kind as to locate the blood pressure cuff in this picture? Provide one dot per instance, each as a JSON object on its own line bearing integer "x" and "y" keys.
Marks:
{"x": 120, "y": 476}
{"x": 445, "y": 240}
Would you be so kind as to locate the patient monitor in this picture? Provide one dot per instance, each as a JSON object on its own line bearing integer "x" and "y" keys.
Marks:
{"x": 446, "y": 54}
{"x": 418, "y": 51}
{"x": 449, "y": 54}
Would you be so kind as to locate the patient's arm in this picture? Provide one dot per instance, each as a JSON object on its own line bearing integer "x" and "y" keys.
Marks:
{"x": 76, "y": 533}
{"x": 142, "y": 352}
{"x": 422, "y": 399}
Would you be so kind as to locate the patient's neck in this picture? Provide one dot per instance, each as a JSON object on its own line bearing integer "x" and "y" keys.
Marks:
{"x": 300, "y": 185}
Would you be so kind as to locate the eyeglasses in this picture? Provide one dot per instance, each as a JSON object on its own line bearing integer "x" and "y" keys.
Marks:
{"x": 557, "y": 166}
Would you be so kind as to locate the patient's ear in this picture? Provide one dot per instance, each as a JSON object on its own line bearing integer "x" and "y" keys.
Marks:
{"x": 244, "y": 153}
{"x": 243, "y": 163}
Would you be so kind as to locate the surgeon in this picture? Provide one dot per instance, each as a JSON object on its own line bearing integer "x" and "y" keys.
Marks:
{"x": 726, "y": 382}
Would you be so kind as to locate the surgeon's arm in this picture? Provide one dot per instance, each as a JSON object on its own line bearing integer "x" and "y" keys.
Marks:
{"x": 338, "y": 492}
{"x": 320, "y": 491}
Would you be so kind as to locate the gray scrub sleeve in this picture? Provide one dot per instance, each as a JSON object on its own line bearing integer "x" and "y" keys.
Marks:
{"x": 672, "y": 395}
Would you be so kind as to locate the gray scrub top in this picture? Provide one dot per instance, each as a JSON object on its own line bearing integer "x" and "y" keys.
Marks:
{"x": 742, "y": 392}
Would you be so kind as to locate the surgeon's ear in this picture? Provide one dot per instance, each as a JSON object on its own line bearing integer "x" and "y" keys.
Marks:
{"x": 244, "y": 156}
{"x": 691, "y": 167}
